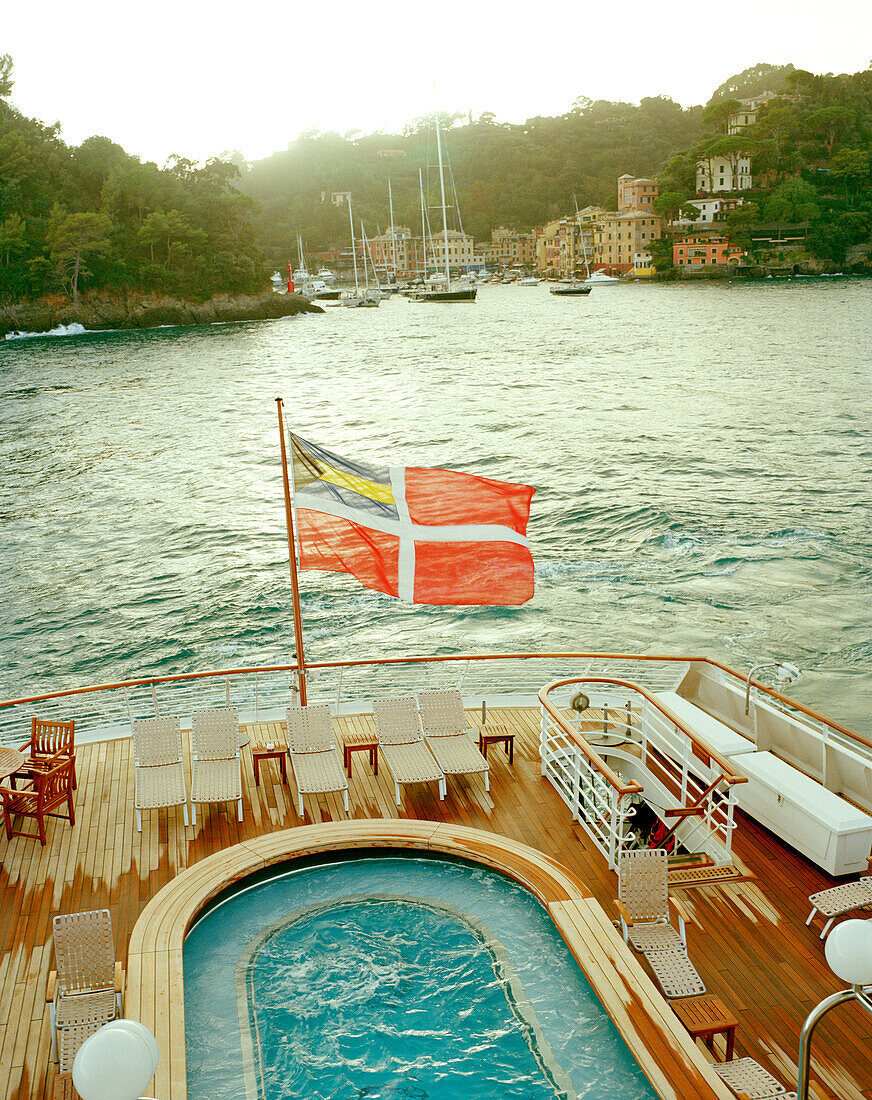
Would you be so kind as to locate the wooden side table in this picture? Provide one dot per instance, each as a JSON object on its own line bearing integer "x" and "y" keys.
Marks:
{"x": 493, "y": 735}
{"x": 357, "y": 742}
{"x": 706, "y": 1017}
{"x": 259, "y": 753}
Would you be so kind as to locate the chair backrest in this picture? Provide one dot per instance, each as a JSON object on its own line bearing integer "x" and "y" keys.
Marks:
{"x": 157, "y": 741}
{"x": 643, "y": 884}
{"x": 442, "y": 713}
{"x": 53, "y": 786}
{"x": 396, "y": 721}
{"x": 49, "y": 738}
{"x": 310, "y": 729}
{"x": 215, "y": 733}
{"x": 84, "y": 951}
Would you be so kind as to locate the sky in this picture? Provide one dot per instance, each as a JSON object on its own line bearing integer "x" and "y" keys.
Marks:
{"x": 197, "y": 79}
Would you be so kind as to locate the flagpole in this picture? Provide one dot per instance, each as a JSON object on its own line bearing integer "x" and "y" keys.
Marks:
{"x": 292, "y": 557}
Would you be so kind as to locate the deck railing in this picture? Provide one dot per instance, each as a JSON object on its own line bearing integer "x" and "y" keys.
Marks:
{"x": 687, "y": 783}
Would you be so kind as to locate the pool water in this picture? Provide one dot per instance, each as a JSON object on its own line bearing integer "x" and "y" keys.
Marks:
{"x": 400, "y": 977}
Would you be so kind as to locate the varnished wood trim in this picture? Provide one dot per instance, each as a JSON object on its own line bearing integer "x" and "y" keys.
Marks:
{"x": 155, "y": 995}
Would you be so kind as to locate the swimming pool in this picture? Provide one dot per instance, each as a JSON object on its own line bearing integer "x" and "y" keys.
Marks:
{"x": 393, "y": 977}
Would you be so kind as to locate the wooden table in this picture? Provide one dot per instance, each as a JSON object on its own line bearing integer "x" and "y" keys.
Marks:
{"x": 355, "y": 742}
{"x": 492, "y": 735}
{"x": 11, "y": 761}
{"x": 706, "y": 1017}
{"x": 260, "y": 753}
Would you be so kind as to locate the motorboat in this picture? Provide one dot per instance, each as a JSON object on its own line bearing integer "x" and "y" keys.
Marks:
{"x": 570, "y": 288}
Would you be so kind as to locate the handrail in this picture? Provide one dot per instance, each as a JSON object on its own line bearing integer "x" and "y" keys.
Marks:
{"x": 728, "y": 775}
{"x": 441, "y": 658}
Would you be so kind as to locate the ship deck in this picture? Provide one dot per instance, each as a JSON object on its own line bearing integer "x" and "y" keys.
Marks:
{"x": 747, "y": 936}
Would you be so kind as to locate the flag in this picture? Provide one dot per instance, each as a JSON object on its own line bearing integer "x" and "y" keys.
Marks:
{"x": 425, "y": 536}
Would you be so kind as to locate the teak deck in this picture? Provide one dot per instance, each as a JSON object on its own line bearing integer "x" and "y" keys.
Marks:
{"x": 747, "y": 937}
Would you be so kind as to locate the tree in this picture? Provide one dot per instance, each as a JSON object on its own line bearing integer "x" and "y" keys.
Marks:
{"x": 72, "y": 238}
{"x": 850, "y": 165}
{"x": 731, "y": 149}
{"x": 795, "y": 200}
{"x": 669, "y": 204}
{"x": 717, "y": 115}
{"x": 828, "y": 123}
{"x": 6, "y": 81}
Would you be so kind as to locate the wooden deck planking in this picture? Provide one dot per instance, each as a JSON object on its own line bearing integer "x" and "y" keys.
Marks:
{"x": 748, "y": 939}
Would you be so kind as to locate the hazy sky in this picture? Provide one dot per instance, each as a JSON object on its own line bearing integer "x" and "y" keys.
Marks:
{"x": 196, "y": 78}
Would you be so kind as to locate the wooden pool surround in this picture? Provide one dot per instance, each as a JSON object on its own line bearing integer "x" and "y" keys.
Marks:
{"x": 675, "y": 1066}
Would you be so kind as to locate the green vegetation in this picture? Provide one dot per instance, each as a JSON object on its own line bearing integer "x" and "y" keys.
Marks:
{"x": 95, "y": 217}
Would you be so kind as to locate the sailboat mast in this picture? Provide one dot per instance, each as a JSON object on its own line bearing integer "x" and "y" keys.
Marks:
{"x": 444, "y": 210}
{"x": 353, "y": 248}
{"x": 423, "y": 225}
{"x": 393, "y": 232}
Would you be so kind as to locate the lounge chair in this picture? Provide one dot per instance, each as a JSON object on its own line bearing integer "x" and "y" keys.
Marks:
{"x": 447, "y": 735}
{"x": 748, "y": 1078}
{"x": 216, "y": 769}
{"x": 402, "y": 744}
{"x": 314, "y": 756}
{"x": 159, "y": 770}
{"x": 643, "y": 905}
{"x": 46, "y": 791}
{"x": 839, "y": 900}
{"x": 86, "y": 989}
{"x": 48, "y": 740}
{"x": 644, "y": 901}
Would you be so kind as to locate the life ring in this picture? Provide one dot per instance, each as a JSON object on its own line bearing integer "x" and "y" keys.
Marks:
{"x": 580, "y": 702}
{"x": 657, "y": 834}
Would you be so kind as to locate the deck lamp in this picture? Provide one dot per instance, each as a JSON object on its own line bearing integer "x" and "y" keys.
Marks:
{"x": 784, "y": 670}
{"x": 116, "y": 1063}
{"x": 848, "y": 951}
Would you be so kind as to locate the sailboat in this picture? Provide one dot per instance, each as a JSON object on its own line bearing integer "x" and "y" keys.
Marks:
{"x": 356, "y": 300}
{"x": 570, "y": 285}
{"x": 446, "y": 291}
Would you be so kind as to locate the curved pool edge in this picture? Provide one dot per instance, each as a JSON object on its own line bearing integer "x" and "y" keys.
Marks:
{"x": 155, "y": 982}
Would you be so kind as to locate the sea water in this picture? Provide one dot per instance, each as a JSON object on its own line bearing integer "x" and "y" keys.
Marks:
{"x": 394, "y": 979}
{"x": 700, "y": 453}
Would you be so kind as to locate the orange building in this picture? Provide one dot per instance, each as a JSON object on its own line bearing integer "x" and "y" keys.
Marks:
{"x": 692, "y": 251}
{"x": 635, "y": 194}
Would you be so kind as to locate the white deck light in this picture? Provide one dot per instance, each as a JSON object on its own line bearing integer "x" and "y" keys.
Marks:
{"x": 784, "y": 670}
{"x": 116, "y": 1063}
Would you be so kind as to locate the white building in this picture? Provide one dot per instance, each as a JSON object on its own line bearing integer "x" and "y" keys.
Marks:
{"x": 710, "y": 212}
{"x": 716, "y": 174}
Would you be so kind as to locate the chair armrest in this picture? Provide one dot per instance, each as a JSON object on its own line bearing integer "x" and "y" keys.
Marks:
{"x": 51, "y": 986}
{"x": 625, "y": 916}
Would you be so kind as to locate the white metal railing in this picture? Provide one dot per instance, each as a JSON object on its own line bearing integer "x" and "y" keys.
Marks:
{"x": 263, "y": 693}
{"x": 675, "y": 770}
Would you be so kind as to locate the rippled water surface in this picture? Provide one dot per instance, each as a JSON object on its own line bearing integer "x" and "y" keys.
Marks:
{"x": 701, "y": 456}
{"x": 394, "y": 979}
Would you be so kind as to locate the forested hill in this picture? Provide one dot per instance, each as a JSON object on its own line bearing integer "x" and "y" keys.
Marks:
{"x": 93, "y": 216}
{"x": 506, "y": 174}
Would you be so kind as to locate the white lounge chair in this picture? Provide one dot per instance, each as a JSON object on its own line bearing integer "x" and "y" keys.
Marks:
{"x": 644, "y": 901}
{"x": 159, "y": 771}
{"x": 447, "y": 735}
{"x": 216, "y": 769}
{"x": 85, "y": 991}
{"x": 402, "y": 744}
{"x": 314, "y": 756}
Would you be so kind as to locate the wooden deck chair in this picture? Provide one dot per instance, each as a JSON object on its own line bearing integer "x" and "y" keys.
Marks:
{"x": 643, "y": 903}
{"x": 48, "y": 740}
{"x": 86, "y": 990}
{"x": 447, "y": 735}
{"x": 314, "y": 756}
{"x": 45, "y": 795}
{"x": 839, "y": 900}
{"x": 159, "y": 770}
{"x": 216, "y": 769}
{"x": 402, "y": 744}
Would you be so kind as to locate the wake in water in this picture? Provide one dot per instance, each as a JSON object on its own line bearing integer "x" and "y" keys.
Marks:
{"x": 75, "y": 329}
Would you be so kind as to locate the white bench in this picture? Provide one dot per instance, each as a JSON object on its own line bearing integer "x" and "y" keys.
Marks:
{"x": 824, "y": 827}
{"x": 715, "y": 734}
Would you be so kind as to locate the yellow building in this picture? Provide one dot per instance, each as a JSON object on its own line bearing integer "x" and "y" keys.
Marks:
{"x": 636, "y": 194}
{"x": 512, "y": 247}
{"x": 618, "y": 238}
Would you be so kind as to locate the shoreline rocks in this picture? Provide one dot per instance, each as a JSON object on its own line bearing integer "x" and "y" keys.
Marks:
{"x": 133, "y": 310}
